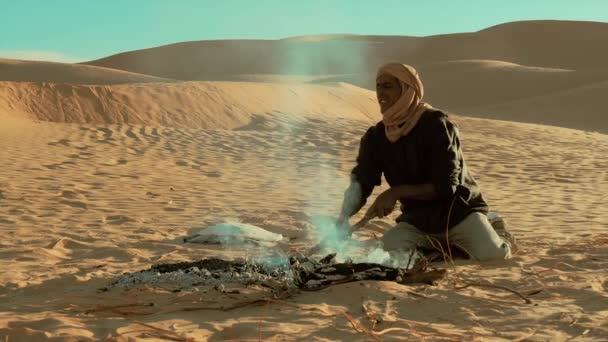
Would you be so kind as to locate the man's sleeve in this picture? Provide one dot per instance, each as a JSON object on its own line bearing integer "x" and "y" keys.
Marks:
{"x": 445, "y": 156}
{"x": 367, "y": 172}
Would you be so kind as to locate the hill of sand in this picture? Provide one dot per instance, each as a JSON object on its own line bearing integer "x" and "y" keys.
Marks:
{"x": 482, "y": 88}
{"x": 211, "y": 105}
{"x": 551, "y": 44}
{"x": 32, "y": 71}
{"x": 577, "y": 107}
{"x": 515, "y": 71}
{"x": 476, "y": 73}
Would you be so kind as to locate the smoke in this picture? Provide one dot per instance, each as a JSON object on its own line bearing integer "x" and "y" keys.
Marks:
{"x": 324, "y": 198}
{"x": 277, "y": 259}
{"x": 324, "y": 56}
{"x": 334, "y": 239}
{"x": 323, "y": 181}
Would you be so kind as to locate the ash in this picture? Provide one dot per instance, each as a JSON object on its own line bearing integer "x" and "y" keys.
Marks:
{"x": 302, "y": 272}
{"x": 213, "y": 271}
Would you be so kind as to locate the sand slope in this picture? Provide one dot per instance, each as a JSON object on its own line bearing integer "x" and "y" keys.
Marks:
{"x": 483, "y": 88}
{"x": 31, "y": 71}
{"x": 508, "y": 91}
{"x": 498, "y": 72}
{"x": 553, "y": 44}
{"x": 81, "y": 204}
{"x": 212, "y": 105}
{"x": 579, "y": 107}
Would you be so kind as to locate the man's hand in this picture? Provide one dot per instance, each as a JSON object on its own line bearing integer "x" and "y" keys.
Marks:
{"x": 383, "y": 205}
{"x": 342, "y": 221}
{"x": 343, "y": 226}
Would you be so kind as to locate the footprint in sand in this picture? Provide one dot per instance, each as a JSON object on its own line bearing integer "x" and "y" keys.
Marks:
{"x": 62, "y": 165}
{"x": 16, "y": 212}
{"x": 73, "y": 199}
{"x": 173, "y": 209}
{"x": 69, "y": 194}
{"x": 83, "y": 147}
{"x": 75, "y": 204}
{"x": 115, "y": 162}
{"x": 136, "y": 151}
{"x": 62, "y": 142}
{"x": 5, "y": 221}
{"x": 117, "y": 219}
{"x": 130, "y": 133}
{"x": 67, "y": 244}
{"x": 81, "y": 155}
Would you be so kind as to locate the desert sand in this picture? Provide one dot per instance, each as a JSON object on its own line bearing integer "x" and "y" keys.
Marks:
{"x": 107, "y": 165}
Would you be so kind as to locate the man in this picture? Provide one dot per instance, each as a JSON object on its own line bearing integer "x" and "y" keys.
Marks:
{"x": 418, "y": 150}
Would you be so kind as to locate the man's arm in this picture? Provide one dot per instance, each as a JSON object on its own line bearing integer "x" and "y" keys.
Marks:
{"x": 355, "y": 198}
{"x": 352, "y": 202}
{"x": 385, "y": 202}
{"x": 364, "y": 177}
{"x": 445, "y": 157}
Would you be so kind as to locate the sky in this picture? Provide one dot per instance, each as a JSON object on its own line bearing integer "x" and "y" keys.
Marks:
{"x": 79, "y": 30}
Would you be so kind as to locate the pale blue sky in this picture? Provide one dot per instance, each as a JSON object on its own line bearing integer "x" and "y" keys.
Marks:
{"x": 74, "y": 30}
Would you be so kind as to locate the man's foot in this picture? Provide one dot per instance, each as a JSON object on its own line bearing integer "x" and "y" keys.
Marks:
{"x": 499, "y": 225}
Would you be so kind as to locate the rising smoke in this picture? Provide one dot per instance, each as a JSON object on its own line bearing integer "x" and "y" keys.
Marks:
{"x": 326, "y": 58}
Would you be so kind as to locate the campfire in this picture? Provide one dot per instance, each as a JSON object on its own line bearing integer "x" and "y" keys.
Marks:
{"x": 298, "y": 272}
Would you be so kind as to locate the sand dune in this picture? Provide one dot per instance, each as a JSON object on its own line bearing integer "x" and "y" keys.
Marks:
{"x": 579, "y": 107}
{"x": 320, "y": 37}
{"x": 486, "y": 74}
{"x": 30, "y": 71}
{"x": 211, "y": 105}
{"x": 508, "y": 91}
{"x": 483, "y": 88}
{"x": 458, "y": 84}
{"x": 478, "y": 71}
{"x": 551, "y": 44}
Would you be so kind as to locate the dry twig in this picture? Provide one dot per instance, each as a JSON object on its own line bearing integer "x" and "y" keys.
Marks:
{"x": 526, "y": 299}
{"x": 117, "y": 308}
{"x": 260, "y": 321}
{"x": 416, "y": 294}
{"x": 370, "y": 314}
{"x": 359, "y": 328}
{"x": 160, "y": 333}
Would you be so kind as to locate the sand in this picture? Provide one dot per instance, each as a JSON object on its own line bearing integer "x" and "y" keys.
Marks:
{"x": 50, "y": 72}
{"x": 209, "y": 105}
{"x": 101, "y": 179}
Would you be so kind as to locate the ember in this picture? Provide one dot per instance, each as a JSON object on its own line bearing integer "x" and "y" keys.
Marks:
{"x": 301, "y": 272}
{"x": 211, "y": 271}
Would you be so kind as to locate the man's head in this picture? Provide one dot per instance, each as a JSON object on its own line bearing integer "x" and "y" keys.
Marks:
{"x": 388, "y": 91}
{"x": 400, "y": 93}
{"x": 394, "y": 81}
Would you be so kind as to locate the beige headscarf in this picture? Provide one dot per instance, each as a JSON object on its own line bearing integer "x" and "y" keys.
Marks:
{"x": 404, "y": 114}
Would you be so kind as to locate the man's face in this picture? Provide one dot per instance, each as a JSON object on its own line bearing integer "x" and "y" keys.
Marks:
{"x": 388, "y": 91}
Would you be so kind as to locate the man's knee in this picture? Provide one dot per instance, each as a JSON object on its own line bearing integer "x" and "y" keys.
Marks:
{"x": 479, "y": 239}
{"x": 401, "y": 237}
{"x": 492, "y": 252}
